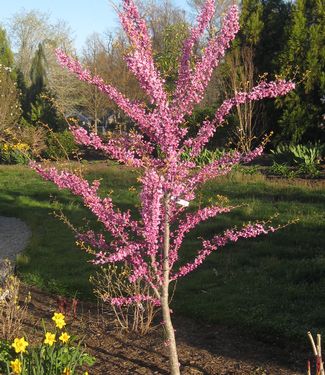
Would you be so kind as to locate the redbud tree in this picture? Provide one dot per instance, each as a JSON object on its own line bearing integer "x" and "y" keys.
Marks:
{"x": 151, "y": 245}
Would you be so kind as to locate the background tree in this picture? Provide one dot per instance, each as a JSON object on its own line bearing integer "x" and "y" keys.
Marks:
{"x": 35, "y": 39}
{"x": 240, "y": 73}
{"x": 27, "y": 31}
{"x": 30, "y": 29}
{"x": 6, "y": 54}
{"x": 167, "y": 58}
{"x": 275, "y": 18}
{"x": 304, "y": 58}
{"x": 10, "y": 111}
{"x": 159, "y": 16}
{"x": 39, "y": 108}
{"x": 95, "y": 104}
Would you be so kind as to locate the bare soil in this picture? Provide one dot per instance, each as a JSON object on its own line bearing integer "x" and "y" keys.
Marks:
{"x": 203, "y": 349}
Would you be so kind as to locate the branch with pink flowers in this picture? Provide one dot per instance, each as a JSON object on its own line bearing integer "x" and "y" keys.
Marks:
{"x": 114, "y": 222}
{"x": 230, "y": 235}
{"x": 130, "y": 150}
{"x": 191, "y": 93}
{"x": 263, "y": 90}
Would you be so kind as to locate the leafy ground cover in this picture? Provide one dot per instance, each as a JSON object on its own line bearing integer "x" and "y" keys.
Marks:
{"x": 271, "y": 286}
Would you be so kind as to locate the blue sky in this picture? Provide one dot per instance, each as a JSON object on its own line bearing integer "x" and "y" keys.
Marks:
{"x": 84, "y": 16}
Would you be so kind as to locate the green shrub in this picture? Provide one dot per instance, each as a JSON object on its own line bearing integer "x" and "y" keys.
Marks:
{"x": 205, "y": 157}
{"x": 14, "y": 154}
{"x": 305, "y": 157}
{"x": 60, "y": 145}
{"x": 310, "y": 154}
{"x": 282, "y": 170}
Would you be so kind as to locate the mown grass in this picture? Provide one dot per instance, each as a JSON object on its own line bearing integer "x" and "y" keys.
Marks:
{"x": 273, "y": 285}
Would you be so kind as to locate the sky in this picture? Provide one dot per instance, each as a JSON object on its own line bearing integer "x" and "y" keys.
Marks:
{"x": 84, "y": 16}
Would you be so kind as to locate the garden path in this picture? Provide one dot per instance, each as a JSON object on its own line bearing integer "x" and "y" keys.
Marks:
{"x": 14, "y": 236}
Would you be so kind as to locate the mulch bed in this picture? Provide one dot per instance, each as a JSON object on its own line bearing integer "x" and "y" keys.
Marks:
{"x": 203, "y": 349}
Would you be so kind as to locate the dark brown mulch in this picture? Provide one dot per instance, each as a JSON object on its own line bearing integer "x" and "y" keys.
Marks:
{"x": 203, "y": 349}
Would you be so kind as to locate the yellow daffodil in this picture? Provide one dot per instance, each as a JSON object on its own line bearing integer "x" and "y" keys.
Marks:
{"x": 58, "y": 319}
{"x": 49, "y": 338}
{"x": 16, "y": 366}
{"x": 64, "y": 337}
{"x": 66, "y": 371}
{"x": 20, "y": 345}
{"x": 86, "y": 373}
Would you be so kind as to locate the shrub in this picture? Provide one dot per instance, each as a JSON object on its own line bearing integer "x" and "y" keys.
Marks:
{"x": 60, "y": 145}
{"x": 282, "y": 170}
{"x": 305, "y": 157}
{"x": 205, "y": 157}
{"x": 34, "y": 137}
{"x": 111, "y": 283}
{"x": 14, "y": 154}
{"x": 12, "y": 313}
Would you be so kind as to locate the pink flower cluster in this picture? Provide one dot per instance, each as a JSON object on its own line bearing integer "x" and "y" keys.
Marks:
{"x": 184, "y": 72}
{"x": 129, "y": 149}
{"x": 138, "y": 299}
{"x": 156, "y": 147}
{"x": 187, "y": 95}
{"x": 140, "y": 60}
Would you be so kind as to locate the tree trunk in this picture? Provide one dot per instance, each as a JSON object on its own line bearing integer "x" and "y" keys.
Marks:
{"x": 170, "y": 333}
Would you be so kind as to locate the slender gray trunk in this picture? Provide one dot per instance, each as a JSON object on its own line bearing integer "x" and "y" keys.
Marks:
{"x": 170, "y": 333}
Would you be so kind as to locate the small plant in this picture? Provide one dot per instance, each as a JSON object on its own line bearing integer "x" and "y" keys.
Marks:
{"x": 112, "y": 283}
{"x": 205, "y": 157}
{"x": 34, "y": 137}
{"x": 60, "y": 145}
{"x": 282, "y": 154}
{"x": 248, "y": 170}
{"x": 282, "y": 170}
{"x": 12, "y": 313}
{"x": 310, "y": 154}
{"x": 309, "y": 170}
{"x": 56, "y": 355}
{"x": 15, "y": 153}
{"x": 306, "y": 158}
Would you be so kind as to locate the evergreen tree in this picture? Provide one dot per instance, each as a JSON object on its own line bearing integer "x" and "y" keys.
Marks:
{"x": 273, "y": 38}
{"x": 38, "y": 73}
{"x": 6, "y": 54}
{"x": 275, "y": 17}
{"x": 304, "y": 58}
{"x": 251, "y": 22}
{"x": 39, "y": 107}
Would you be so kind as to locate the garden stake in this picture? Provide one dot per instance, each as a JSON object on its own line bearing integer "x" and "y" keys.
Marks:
{"x": 317, "y": 350}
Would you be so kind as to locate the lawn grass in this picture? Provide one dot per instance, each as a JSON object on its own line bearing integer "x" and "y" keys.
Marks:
{"x": 273, "y": 286}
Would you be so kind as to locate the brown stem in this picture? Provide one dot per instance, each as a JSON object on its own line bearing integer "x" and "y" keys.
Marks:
{"x": 170, "y": 333}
